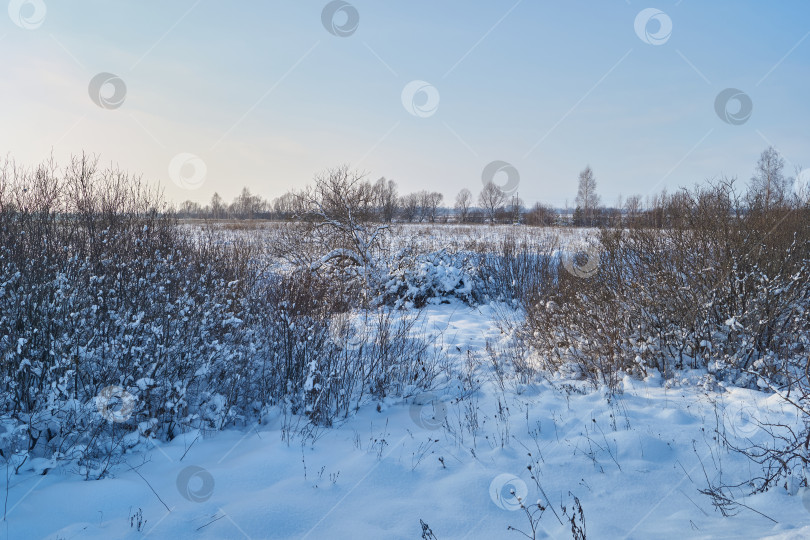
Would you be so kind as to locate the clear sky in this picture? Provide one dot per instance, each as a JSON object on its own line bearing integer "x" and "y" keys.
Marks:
{"x": 266, "y": 94}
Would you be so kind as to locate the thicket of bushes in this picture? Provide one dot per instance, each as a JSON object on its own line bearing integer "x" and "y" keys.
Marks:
{"x": 116, "y": 325}
{"x": 724, "y": 287}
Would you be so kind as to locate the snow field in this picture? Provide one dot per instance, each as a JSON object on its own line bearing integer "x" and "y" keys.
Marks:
{"x": 450, "y": 458}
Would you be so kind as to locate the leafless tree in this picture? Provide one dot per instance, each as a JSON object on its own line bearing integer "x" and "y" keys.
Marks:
{"x": 491, "y": 200}
{"x": 463, "y": 202}
{"x": 633, "y": 207}
{"x": 587, "y": 200}
{"x": 768, "y": 184}
{"x": 217, "y": 206}
{"x": 515, "y": 208}
{"x": 288, "y": 205}
{"x": 385, "y": 199}
{"x": 247, "y": 205}
{"x": 541, "y": 215}
{"x": 428, "y": 203}
{"x": 432, "y": 202}
{"x": 337, "y": 211}
{"x": 409, "y": 207}
{"x": 190, "y": 209}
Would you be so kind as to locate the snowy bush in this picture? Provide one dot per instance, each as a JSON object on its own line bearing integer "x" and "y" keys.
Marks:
{"x": 719, "y": 289}
{"x": 432, "y": 278}
{"x": 722, "y": 288}
{"x": 513, "y": 269}
{"x": 117, "y": 326}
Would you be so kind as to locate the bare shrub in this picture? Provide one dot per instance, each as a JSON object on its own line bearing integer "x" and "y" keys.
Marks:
{"x": 117, "y": 325}
{"x": 722, "y": 287}
{"x": 514, "y": 269}
{"x": 336, "y": 236}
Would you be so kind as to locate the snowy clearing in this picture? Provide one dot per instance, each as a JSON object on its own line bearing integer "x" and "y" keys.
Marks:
{"x": 635, "y": 461}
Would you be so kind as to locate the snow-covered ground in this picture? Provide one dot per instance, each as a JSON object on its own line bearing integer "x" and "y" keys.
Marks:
{"x": 635, "y": 461}
{"x": 428, "y": 237}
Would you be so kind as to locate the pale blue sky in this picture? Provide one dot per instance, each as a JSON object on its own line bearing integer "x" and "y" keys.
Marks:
{"x": 267, "y": 97}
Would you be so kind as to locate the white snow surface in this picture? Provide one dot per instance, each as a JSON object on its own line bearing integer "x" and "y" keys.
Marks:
{"x": 636, "y": 463}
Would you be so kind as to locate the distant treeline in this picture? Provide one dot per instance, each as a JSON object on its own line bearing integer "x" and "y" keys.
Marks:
{"x": 384, "y": 205}
{"x": 381, "y": 201}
